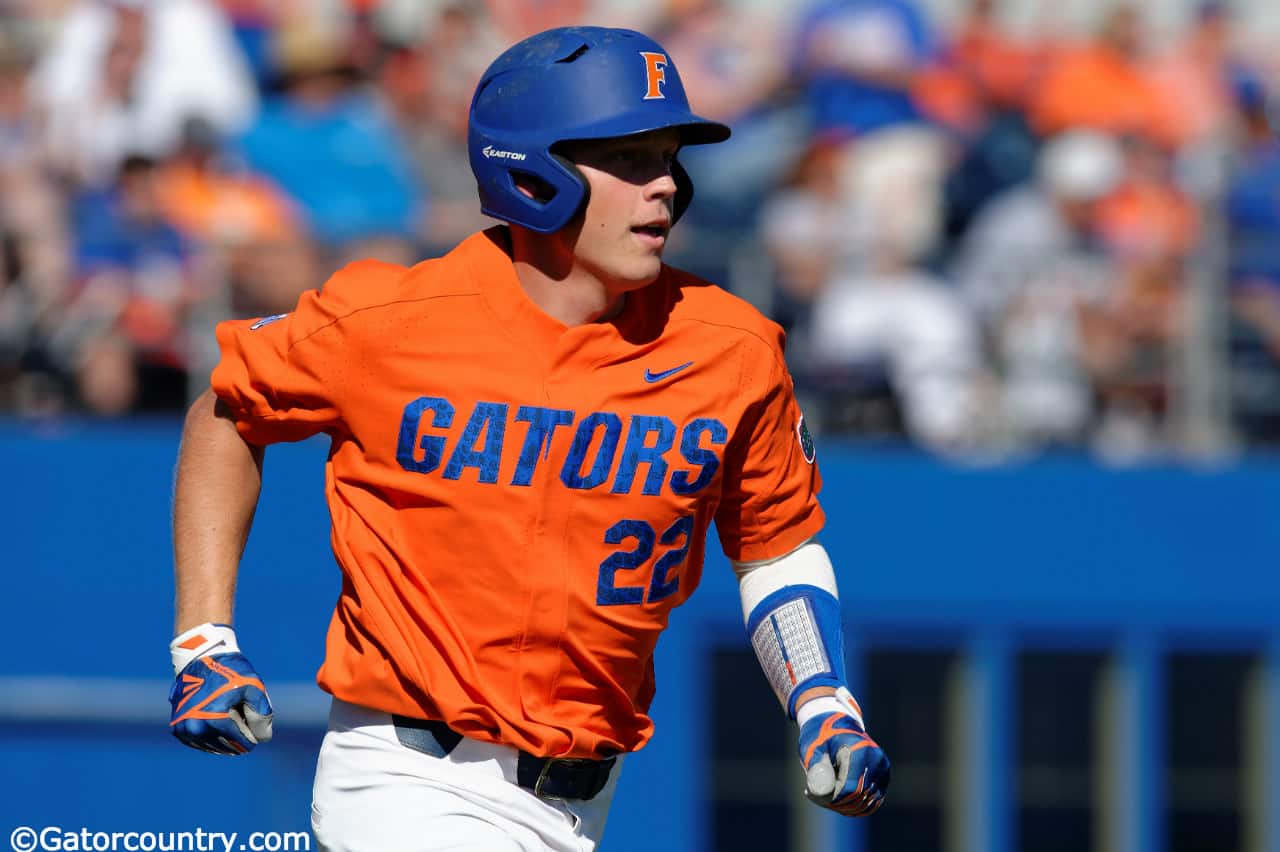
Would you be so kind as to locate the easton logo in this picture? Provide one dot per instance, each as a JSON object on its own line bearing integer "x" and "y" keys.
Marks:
{"x": 490, "y": 151}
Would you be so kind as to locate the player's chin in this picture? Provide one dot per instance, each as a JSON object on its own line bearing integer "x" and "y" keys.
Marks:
{"x": 643, "y": 270}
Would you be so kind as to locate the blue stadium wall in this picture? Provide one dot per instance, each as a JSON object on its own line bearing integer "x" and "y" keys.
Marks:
{"x": 989, "y": 559}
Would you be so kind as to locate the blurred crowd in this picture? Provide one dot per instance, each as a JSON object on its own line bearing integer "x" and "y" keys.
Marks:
{"x": 982, "y": 238}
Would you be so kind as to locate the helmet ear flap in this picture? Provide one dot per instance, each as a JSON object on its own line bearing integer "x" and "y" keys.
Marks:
{"x": 572, "y": 168}
{"x": 565, "y": 186}
{"x": 684, "y": 191}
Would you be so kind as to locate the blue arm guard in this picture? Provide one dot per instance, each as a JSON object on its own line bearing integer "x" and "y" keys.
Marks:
{"x": 797, "y": 636}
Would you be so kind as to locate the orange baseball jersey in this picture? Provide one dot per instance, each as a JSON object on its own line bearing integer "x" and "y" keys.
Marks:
{"x": 518, "y": 505}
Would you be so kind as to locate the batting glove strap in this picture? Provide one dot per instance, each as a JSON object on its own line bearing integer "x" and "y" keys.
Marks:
{"x": 842, "y": 702}
{"x": 220, "y": 705}
{"x": 845, "y": 770}
{"x": 200, "y": 641}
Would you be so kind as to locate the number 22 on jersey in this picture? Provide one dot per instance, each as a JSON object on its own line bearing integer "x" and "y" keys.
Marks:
{"x": 665, "y": 579}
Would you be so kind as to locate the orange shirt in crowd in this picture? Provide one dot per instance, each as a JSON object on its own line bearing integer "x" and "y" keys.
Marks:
{"x": 1144, "y": 220}
{"x": 983, "y": 68}
{"x": 1096, "y": 87}
{"x": 1198, "y": 85}
{"x": 224, "y": 209}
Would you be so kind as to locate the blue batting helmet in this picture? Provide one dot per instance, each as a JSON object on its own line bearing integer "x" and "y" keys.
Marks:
{"x": 572, "y": 83}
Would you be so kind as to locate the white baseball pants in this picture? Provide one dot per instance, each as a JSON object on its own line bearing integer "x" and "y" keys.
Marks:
{"x": 373, "y": 794}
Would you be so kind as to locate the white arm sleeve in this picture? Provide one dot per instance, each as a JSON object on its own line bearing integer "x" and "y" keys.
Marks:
{"x": 807, "y": 565}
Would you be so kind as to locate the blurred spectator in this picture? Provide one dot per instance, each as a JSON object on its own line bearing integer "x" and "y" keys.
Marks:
{"x": 217, "y": 205}
{"x": 857, "y": 61}
{"x": 732, "y": 62}
{"x": 977, "y": 86}
{"x": 332, "y": 146}
{"x": 1028, "y": 264}
{"x": 884, "y": 307}
{"x": 979, "y": 71}
{"x": 427, "y": 86}
{"x": 122, "y": 333}
{"x": 515, "y": 19}
{"x": 1147, "y": 217}
{"x": 518, "y": 19}
{"x": 251, "y": 25}
{"x": 1106, "y": 86}
{"x": 906, "y": 324}
{"x": 34, "y": 253}
{"x": 1133, "y": 333}
{"x": 805, "y": 227}
{"x": 1196, "y": 74}
{"x": 892, "y": 178}
{"x": 1253, "y": 202}
{"x": 730, "y": 58}
{"x": 246, "y": 222}
{"x": 1253, "y": 219}
{"x": 847, "y": 203}
{"x": 122, "y": 75}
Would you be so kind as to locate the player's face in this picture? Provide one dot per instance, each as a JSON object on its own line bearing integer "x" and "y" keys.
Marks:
{"x": 628, "y": 213}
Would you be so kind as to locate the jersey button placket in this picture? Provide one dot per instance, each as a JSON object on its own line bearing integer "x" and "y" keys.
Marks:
{"x": 546, "y": 578}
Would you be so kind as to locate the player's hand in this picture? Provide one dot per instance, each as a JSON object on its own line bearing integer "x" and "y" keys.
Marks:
{"x": 844, "y": 768}
{"x": 219, "y": 703}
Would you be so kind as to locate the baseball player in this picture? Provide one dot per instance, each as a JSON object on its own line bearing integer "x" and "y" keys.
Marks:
{"x": 530, "y": 437}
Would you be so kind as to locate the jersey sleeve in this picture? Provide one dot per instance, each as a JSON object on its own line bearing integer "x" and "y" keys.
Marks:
{"x": 769, "y": 502}
{"x": 285, "y": 377}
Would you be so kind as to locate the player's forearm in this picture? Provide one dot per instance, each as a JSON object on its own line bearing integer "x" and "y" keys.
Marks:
{"x": 219, "y": 478}
{"x": 794, "y": 621}
{"x": 810, "y": 664}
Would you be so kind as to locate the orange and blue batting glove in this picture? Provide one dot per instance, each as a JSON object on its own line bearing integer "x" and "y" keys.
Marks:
{"x": 219, "y": 703}
{"x": 796, "y": 631}
{"x": 845, "y": 770}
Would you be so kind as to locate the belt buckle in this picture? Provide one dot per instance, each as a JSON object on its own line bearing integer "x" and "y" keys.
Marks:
{"x": 546, "y": 768}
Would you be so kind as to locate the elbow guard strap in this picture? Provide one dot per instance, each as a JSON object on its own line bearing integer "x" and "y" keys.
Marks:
{"x": 797, "y": 636}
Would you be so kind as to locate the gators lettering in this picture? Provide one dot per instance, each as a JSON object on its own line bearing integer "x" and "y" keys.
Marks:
{"x": 650, "y": 454}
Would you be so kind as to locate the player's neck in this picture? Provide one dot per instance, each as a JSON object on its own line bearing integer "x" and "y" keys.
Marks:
{"x": 560, "y": 285}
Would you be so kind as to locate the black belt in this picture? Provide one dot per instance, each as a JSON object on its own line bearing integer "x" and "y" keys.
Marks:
{"x": 547, "y": 777}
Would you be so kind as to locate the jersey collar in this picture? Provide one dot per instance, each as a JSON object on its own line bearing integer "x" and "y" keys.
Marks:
{"x": 488, "y": 254}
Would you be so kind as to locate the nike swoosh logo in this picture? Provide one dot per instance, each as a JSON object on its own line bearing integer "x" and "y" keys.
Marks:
{"x": 651, "y": 377}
